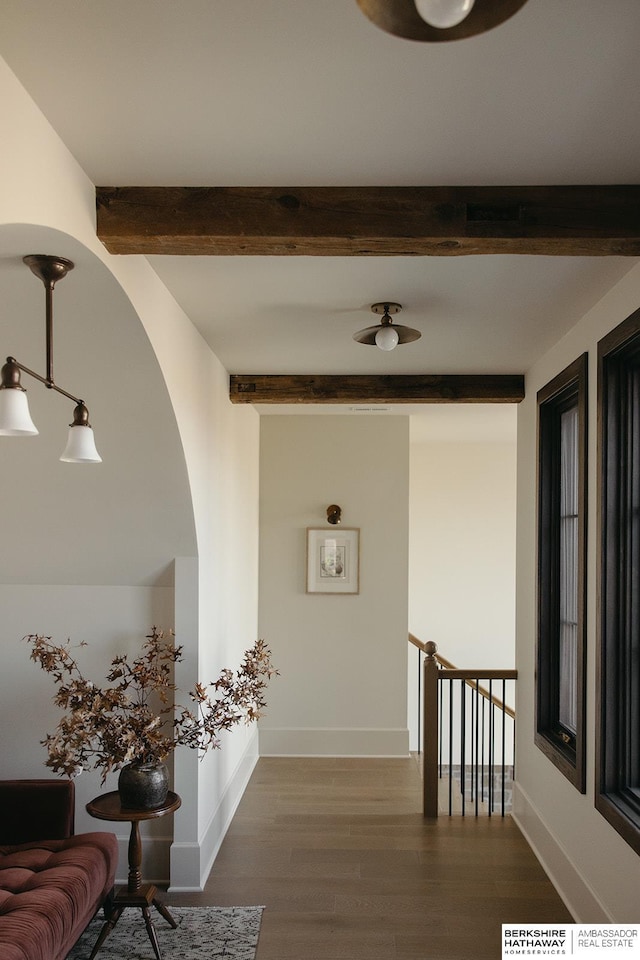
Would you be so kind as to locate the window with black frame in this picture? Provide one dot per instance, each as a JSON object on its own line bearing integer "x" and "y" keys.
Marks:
{"x": 618, "y": 729}
{"x": 560, "y": 678}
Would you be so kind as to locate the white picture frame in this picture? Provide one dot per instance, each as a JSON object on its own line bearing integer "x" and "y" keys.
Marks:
{"x": 333, "y": 560}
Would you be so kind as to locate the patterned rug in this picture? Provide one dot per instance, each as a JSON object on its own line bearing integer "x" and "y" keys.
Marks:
{"x": 203, "y": 933}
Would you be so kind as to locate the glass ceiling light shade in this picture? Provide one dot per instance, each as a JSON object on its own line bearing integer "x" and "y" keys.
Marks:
{"x": 15, "y": 420}
{"x": 387, "y": 338}
{"x": 386, "y": 335}
{"x": 81, "y": 445}
{"x": 444, "y": 13}
{"x": 419, "y": 20}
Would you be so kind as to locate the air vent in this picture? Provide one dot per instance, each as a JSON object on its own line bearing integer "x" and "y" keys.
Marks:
{"x": 370, "y": 409}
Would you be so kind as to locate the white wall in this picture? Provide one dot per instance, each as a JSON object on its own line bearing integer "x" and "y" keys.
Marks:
{"x": 42, "y": 190}
{"x": 462, "y": 550}
{"x": 462, "y": 521}
{"x": 342, "y": 689}
{"x": 597, "y": 873}
{"x": 228, "y": 615}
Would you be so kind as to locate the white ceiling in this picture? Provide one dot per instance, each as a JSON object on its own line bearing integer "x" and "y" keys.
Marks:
{"x": 296, "y": 92}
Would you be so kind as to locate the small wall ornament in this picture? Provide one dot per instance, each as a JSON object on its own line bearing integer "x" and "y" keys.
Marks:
{"x": 334, "y": 513}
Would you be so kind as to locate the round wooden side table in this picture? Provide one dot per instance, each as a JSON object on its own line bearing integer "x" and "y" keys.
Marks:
{"x": 136, "y": 894}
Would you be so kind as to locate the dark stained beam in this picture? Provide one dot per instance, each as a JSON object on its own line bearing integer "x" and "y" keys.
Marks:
{"x": 370, "y": 221}
{"x": 427, "y": 388}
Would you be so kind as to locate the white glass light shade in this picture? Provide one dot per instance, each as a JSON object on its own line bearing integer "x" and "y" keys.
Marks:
{"x": 81, "y": 446}
{"x": 15, "y": 419}
{"x": 387, "y": 338}
{"x": 444, "y": 13}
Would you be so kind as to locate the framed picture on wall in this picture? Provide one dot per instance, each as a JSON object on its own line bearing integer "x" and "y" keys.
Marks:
{"x": 333, "y": 560}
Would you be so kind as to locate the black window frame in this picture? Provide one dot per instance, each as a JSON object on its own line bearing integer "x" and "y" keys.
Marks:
{"x": 565, "y": 748}
{"x": 617, "y": 795}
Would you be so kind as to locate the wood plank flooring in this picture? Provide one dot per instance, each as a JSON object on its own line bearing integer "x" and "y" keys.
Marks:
{"x": 348, "y": 869}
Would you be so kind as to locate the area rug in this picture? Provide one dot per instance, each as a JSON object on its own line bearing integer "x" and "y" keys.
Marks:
{"x": 203, "y": 933}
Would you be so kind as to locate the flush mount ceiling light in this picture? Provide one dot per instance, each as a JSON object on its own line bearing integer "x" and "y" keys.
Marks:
{"x": 15, "y": 419}
{"x": 386, "y": 335}
{"x": 438, "y": 20}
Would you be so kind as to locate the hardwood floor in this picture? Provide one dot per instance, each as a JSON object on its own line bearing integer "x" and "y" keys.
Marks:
{"x": 348, "y": 869}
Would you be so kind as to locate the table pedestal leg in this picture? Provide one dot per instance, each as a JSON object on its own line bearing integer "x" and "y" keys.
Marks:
{"x": 136, "y": 895}
{"x": 162, "y": 910}
{"x": 135, "y": 858}
{"x": 107, "y": 927}
{"x": 151, "y": 930}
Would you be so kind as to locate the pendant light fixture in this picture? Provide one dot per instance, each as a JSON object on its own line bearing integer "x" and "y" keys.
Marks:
{"x": 15, "y": 419}
{"x": 386, "y": 335}
{"x": 437, "y": 20}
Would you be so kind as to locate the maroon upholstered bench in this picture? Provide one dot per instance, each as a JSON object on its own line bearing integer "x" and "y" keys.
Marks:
{"x": 51, "y": 882}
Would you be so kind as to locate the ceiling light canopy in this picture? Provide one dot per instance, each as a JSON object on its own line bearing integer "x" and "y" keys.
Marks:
{"x": 386, "y": 335}
{"x": 437, "y": 20}
{"x": 15, "y": 419}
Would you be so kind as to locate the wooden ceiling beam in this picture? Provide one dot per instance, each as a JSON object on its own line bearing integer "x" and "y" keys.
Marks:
{"x": 423, "y": 388}
{"x": 370, "y": 221}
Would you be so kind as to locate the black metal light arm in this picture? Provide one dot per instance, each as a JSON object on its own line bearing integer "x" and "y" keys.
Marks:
{"x": 48, "y": 382}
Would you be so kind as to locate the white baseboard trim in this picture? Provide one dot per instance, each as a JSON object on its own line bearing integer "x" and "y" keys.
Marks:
{"x": 195, "y": 860}
{"x": 221, "y": 819}
{"x": 185, "y": 867}
{"x": 579, "y": 899}
{"x": 332, "y": 742}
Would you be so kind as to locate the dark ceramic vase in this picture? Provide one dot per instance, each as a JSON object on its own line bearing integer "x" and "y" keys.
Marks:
{"x": 143, "y": 786}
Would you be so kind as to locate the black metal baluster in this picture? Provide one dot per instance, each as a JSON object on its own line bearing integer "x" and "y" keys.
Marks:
{"x": 472, "y": 737}
{"x": 491, "y": 751}
{"x": 463, "y": 742}
{"x": 477, "y": 728}
{"x": 504, "y": 700}
{"x": 483, "y": 745}
{"x": 440, "y": 701}
{"x": 513, "y": 740}
{"x": 419, "y": 699}
{"x": 450, "y": 747}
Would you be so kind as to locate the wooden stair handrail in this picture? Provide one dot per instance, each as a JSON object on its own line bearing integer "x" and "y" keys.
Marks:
{"x": 449, "y": 671}
{"x": 417, "y": 643}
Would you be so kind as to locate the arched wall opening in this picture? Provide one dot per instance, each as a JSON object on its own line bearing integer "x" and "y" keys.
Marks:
{"x": 89, "y": 549}
{"x": 94, "y": 523}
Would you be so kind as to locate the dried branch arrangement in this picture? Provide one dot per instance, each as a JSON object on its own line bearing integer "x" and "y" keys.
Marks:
{"x": 133, "y": 718}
